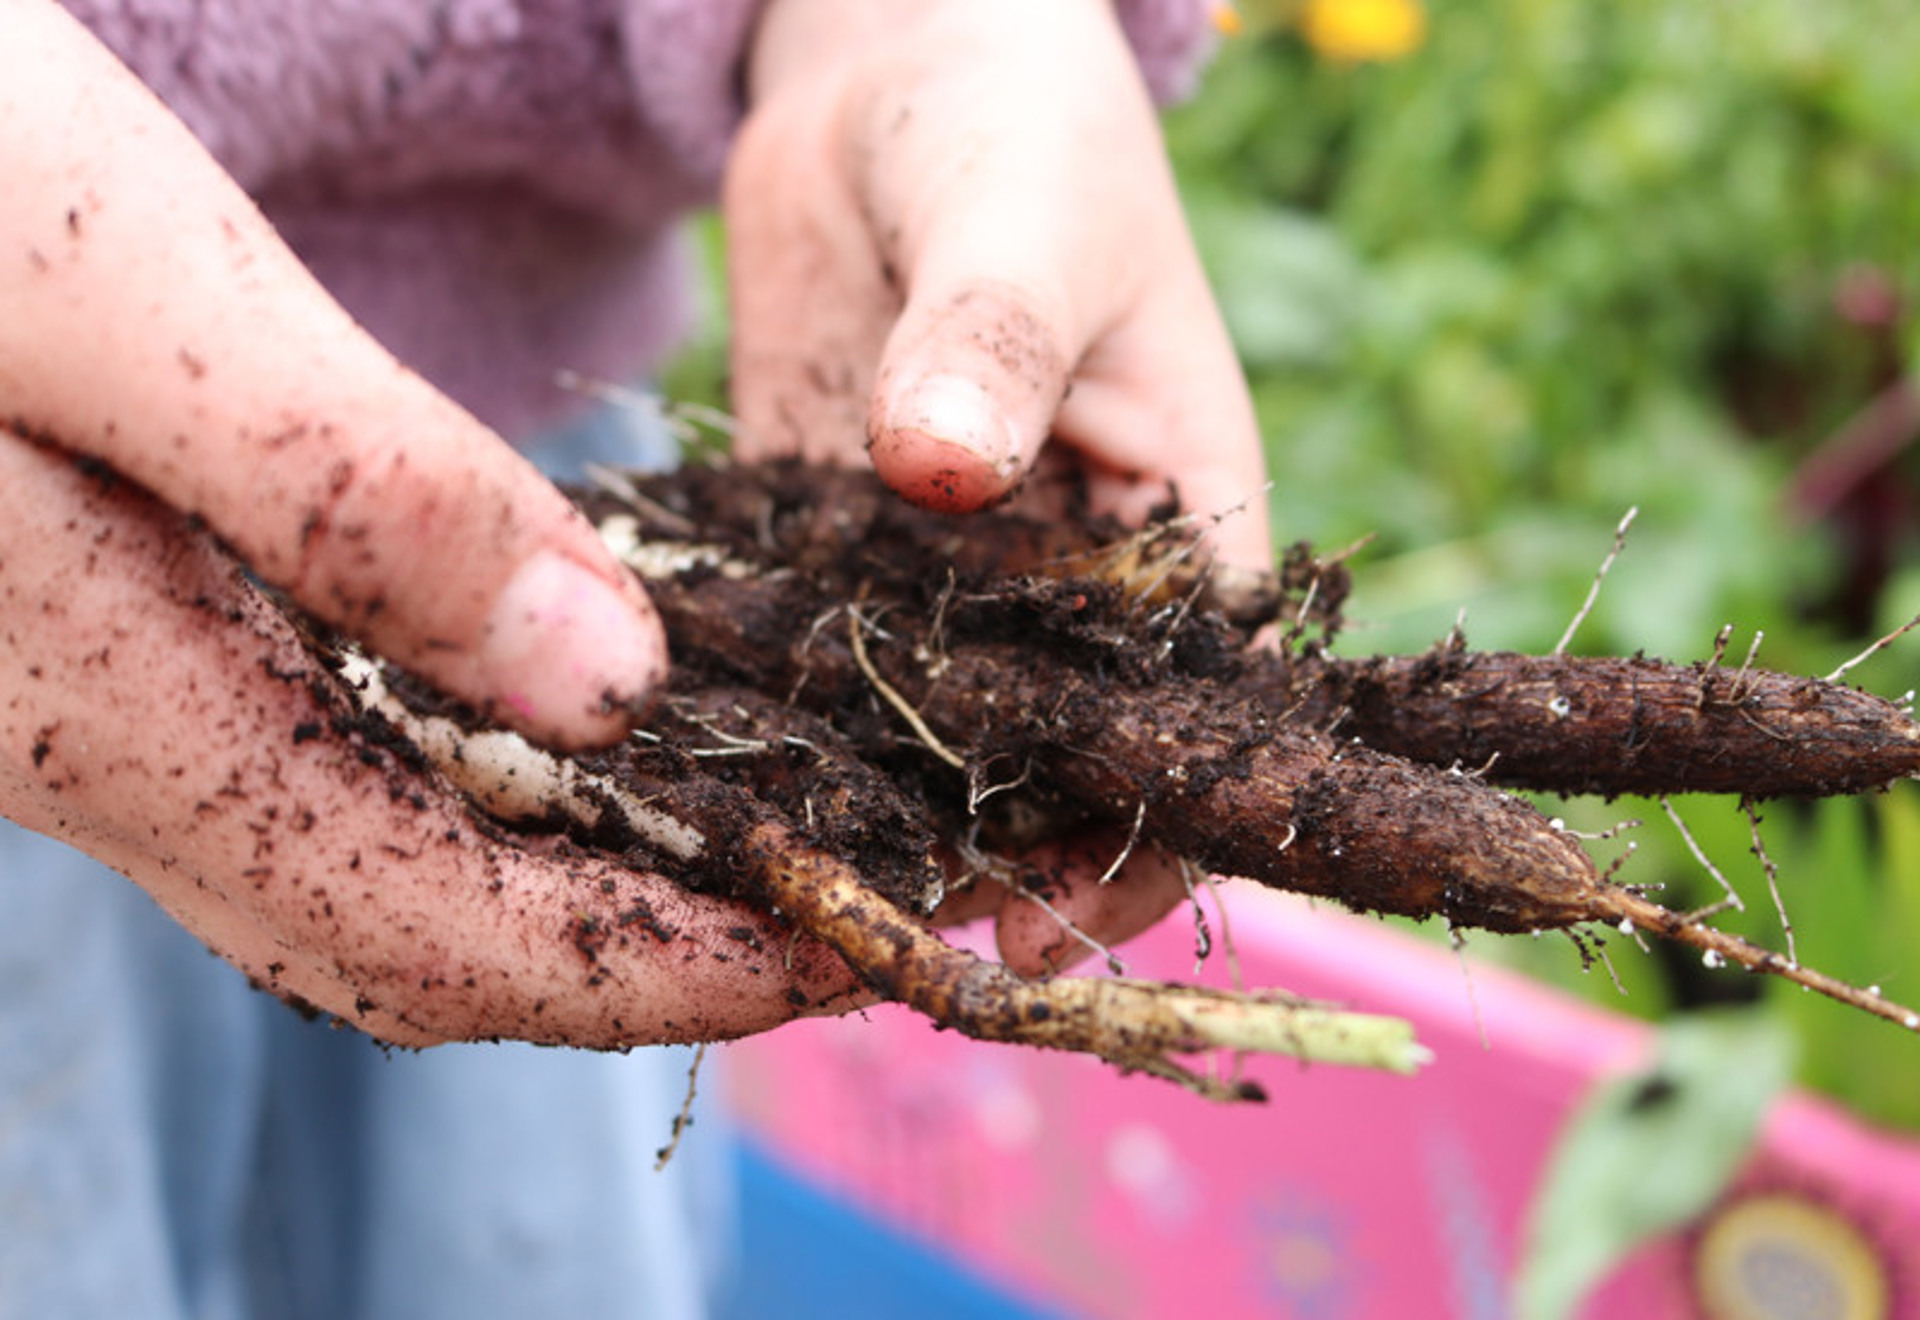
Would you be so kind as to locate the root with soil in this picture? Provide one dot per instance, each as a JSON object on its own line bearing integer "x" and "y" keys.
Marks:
{"x": 857, "y": 682}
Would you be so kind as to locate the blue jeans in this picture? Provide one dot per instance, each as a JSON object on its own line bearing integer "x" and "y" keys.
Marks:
{"x": 174, "y": 1144}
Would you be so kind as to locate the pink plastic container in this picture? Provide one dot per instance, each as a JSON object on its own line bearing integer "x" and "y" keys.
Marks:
{"x": 1351, "y": 1195}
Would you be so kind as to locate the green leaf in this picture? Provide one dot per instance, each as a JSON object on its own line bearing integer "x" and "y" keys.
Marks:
{"x": 1646, "y": 1153}
{"x": 1856, "y": 902}
{"x": 1287, "y": 285}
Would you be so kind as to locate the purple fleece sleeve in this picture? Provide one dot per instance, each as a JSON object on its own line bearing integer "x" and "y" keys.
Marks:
{"x": 491, "y": 186}
{"x": 1172, "y": 40}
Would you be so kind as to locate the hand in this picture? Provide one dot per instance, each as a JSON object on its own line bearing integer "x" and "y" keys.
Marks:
{"x": 157, "y": 714}
{"x": 162, "y": 716}
{"x": 954, "y": 241}
{"x": 150, "y": 318}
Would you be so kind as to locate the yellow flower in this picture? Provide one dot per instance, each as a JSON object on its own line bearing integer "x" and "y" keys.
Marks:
{"x": 1357, "y": 30}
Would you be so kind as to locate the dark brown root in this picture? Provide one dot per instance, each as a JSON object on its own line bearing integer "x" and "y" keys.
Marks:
{"x": 801, "y": 540}
{"x": 856, "y": 681}
{"x": 1605, "y": 726}
{"x": 1723, "y": 949}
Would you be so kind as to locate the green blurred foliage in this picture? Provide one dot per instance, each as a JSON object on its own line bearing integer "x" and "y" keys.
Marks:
{"x": 1567, "y": 259}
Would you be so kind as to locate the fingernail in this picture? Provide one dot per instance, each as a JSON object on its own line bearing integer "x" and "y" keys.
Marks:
{"x": 564, "y": 648}
{"x": 953, "y": 410}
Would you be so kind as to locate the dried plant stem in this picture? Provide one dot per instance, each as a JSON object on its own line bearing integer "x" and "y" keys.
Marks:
{"x": 1732, "y": 899}
{"x": 684, "y": 1119}
{"x": 1773, "y": 877}
{"x": 855, "y": 625}
{"x": 1874, "y": 649}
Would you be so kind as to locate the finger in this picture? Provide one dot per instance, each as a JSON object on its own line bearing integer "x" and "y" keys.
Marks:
{"x": 966, "y": 394}
{"x": 161, "y": 715}
{"x": 1145, "y": 389}
{"x": 1154, "y": 407}
{"x": 809, "y": 294}
{"x": 1004, "y": 198}
{"x": 1161, "y": 400}
{"x": 992, "y": 326}
{"x": 971, "y": 898}
{"x": 160, "y": 325}
{"x": 1082, "y": 914}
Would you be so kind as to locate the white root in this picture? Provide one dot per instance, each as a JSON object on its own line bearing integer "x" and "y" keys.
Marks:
{"x": 510, "y": 778}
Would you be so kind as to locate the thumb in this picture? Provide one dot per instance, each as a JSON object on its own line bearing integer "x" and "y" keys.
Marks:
{"x": 968, "y": 387}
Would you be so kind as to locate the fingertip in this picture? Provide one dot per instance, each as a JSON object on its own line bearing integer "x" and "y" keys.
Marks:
{"x": 1085, "y": 916}
{"x": 937, "y": 474}
{"x": 569, "y": 656}
{"x": 970, "y": 382}
{"x": 944, "y": 444}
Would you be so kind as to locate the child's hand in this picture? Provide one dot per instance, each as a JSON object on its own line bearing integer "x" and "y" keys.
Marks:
{"x": 156, "y": 714}
{"x": 954, "y": 239}
{"x": 151, "y": 319}
{"x": 954, "y": 235}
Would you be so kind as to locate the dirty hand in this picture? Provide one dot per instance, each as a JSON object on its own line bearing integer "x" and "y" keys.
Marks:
{"x": 156, "y": 714}
{"x": 151, "y": 319}
{"x": 954, "y": 240}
